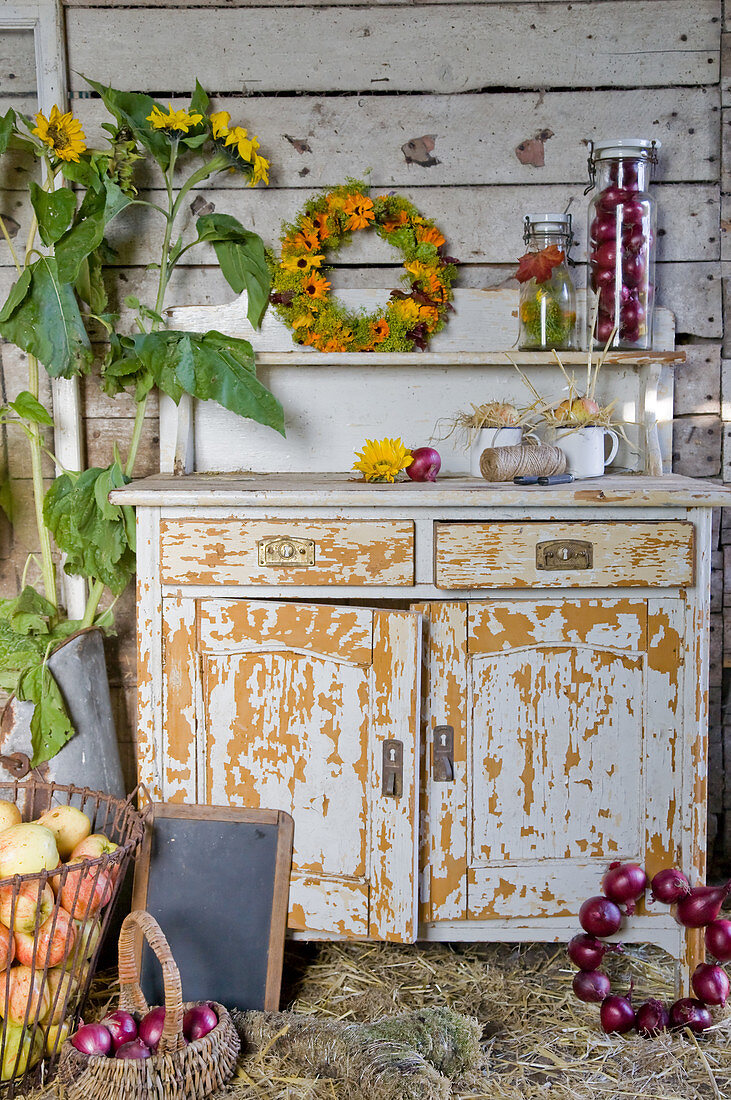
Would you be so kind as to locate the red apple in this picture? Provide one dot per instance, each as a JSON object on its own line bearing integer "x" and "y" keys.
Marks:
{"x": 50, "y": 944}
{"x": 86, "y": 889}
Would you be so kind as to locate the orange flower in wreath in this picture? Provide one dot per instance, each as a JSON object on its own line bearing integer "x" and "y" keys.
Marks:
{"x": 359, "y": 210}
{"x": 429, "y": 234}
{"x": 396, "y": 221}
{"x": 307, "y": 240}
{"x": 430, "y": 316}
{"x": 379, "y": 331}
{"x": 316, "y": 287}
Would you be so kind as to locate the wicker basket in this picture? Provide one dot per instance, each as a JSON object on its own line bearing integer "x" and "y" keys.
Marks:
{"x": 178, "y": 1071}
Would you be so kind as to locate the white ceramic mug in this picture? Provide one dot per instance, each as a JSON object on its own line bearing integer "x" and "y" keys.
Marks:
{"x": 584, "y": 449}
{"x": 492, "y": 437}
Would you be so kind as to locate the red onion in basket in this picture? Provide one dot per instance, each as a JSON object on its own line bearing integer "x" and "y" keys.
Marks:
{"x": 652, "y": 1018}
{"x": 710, "y": 984}
{"x": 150, "y": 1028}
{"x": 198, "y": 1021}
{"x": 718, "y": 940}
{"x": 669, "y": 886}
{"x": 92, "y": 1039}
{"x": 617, "y": 1014}
{"x": 688, "y": 1012}
{"x": 591, "y": 985}
{"x": 599, "y": 916}
{"x": 122, "y": 1026}
{"x": 425, "y": 464}
{"x": 135, "y": 1049}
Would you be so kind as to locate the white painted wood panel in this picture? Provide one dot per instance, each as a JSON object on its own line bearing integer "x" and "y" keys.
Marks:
{"x": 315, "y": 141}
{"x": 481, "y": 225}
{"x": 437, "y": 48}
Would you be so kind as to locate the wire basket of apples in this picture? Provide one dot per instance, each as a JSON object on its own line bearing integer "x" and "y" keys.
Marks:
{"x": 63, "y": 853}
{"x": 174, "y": 1052}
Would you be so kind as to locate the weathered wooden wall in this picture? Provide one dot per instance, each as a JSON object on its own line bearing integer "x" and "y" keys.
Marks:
{"x": 478, "y": 110}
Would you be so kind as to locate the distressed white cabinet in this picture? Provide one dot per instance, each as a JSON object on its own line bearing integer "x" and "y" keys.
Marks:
{"x": 291, "y": 629}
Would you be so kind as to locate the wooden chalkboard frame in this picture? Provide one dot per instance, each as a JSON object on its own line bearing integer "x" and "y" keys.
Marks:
{"x": 280, "y": 897}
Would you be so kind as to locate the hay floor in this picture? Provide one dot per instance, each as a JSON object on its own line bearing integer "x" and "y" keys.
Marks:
{"x": 539, "y": 1043}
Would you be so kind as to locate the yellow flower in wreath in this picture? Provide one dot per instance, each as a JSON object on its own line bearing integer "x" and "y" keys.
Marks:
{"x": 316, "y": 287}
{"x": 301, "y": 263}
{"x": 359, "y": 210}
{"x": 382, "y": 459}
{"x": 407, "y": 310}
{"x": 61, "y": 133}
{"x": 175, "y": 122}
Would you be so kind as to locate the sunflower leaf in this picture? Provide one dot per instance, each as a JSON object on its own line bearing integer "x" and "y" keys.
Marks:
{"x": 131, "y": 109}
{"x": 53, "y": 209}
{"x": 91, "y": 532}
{"x": 29, "y": 408}
{"x": 46, "y": 321}
{"x": 199, "y": 100}
{"x": 7, "y": 125}
{"x": 87, "y": 233}
{"x": 242, "y": 258}
{"x": 209, "y": 366}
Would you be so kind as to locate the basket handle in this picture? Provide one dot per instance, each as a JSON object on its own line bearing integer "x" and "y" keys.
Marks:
{"x": 131, "y": 996}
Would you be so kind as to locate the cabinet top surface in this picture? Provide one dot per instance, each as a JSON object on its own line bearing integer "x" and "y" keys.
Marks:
{"x": 344, "y": 490}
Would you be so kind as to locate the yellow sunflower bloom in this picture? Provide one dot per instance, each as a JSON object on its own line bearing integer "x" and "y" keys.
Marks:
{"x": 382, "y": 459}
{"x": 421, "y": 271}
{"x": 359, "y": 210}
{"x": 219, "y": 123}
{"x": 61, "y": 133}
{"x": 244, "y": 145}
{"x": 261, "y": 169}
{"x": 301, "y": 263}
{"x": 176, "y": 122}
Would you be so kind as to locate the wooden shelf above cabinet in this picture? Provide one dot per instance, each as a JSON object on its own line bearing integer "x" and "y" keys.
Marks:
{"x": 461, "y": 358}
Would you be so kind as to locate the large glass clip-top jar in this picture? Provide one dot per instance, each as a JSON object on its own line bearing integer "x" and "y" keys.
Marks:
{"x": 547, "y": 295}
{"x": 622, "y": 242}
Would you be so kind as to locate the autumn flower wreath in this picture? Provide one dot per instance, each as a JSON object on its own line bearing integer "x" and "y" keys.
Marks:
{"x": 301, "y": 290}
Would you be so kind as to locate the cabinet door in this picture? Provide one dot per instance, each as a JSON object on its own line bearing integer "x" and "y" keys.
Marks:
{"x": 567, "y": 719}
{"x": 299, "y": 707}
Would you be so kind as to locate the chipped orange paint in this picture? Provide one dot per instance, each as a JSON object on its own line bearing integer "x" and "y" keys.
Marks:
{"x": 207, "y": 551}
{"x": 615, "y": 623}
{"x": 179, "y": 712}
{"x": 343, "y": 633}
{"x": 503, "y": 555}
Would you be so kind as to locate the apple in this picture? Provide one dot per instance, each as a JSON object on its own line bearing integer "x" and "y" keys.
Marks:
{"x": 26, "y": 849}
{"x": 63, "y": 993}
{"x": 69, "y": 826}
{"x": 86, "y": 889}
{"x": 23, "y": 990}
{"x": 87, "y": 940}
{"x": 56, "y": 1035}
{"x": 20, "y": 1051}
{"x": 7, "y": 947}
{"x": 32, "y": 905}
{"x": 94, "y": 846}
{"x": 9, "y": 814}
{"x": 50, "y": 943}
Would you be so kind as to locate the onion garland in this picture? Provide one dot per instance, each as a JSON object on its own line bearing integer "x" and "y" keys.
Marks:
{"x": 623, "y": 886}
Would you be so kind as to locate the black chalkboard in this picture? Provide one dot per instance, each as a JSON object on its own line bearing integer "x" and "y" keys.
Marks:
{"x": 216, "y": 879}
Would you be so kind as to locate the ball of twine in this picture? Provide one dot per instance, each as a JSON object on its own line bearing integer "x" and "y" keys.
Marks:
{"x": 505, "y": 463}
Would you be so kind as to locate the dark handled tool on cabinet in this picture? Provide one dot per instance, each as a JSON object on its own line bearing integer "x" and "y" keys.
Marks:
{"x": 549, "y": 479}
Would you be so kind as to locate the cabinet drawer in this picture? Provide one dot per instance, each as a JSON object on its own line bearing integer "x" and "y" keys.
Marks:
{"x": 297, "y": 552}
{"x": 563, "y": 555}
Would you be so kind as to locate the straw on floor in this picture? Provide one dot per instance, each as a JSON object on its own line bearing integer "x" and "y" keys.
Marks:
{"x": 538, "y": 1042}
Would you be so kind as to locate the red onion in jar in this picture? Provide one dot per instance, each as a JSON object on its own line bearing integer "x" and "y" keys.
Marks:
{"x": 621, "y": 234}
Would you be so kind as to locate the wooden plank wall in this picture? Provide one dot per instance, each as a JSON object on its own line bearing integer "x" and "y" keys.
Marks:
{"x": 478, "y": 110}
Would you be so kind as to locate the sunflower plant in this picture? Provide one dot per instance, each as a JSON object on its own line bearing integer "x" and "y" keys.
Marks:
{"x": 59, "y": 312}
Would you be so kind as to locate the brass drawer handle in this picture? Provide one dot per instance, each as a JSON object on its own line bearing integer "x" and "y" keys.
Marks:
{"x": 286, "y": 551}
{"x": 564, "y": 554}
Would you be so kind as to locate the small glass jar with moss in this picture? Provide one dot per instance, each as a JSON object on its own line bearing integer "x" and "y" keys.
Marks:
{"x": 547, "y": 294}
